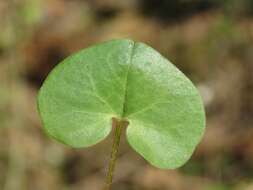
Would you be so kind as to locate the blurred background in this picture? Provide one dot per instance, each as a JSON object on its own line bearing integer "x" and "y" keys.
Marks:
{"x": 211, "y": 41}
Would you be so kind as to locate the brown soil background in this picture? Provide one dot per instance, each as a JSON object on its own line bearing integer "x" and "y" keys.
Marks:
{"x": 211, "y": 41}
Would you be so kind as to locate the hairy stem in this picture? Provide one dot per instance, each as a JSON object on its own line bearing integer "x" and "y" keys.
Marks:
{"x": 115, "y": 148}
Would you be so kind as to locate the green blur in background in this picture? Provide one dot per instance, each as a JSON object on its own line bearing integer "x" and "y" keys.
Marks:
{"x": 211, "y": 41}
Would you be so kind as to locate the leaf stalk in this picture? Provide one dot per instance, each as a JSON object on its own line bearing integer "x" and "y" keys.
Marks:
{"x": 115, "y": 147}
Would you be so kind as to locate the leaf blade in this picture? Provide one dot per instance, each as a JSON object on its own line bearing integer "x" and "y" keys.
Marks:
{"x": 126, "y": 80}
{"x": 165, "y": 103}
{"x": 85, "y": 82}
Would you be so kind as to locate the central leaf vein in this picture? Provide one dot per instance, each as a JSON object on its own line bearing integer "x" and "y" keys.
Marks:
{"x": 127, "y": 79}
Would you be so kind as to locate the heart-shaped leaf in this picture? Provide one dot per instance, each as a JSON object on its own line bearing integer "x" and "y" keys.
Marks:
{"x": 125, "y": 80}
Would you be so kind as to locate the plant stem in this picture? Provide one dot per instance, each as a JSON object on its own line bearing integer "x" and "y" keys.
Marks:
{"x": 115, "y": 147}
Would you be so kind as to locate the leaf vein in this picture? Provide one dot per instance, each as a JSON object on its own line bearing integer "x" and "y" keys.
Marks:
{"x": 147, "y": 108}
{"x": 95, "y": 89}
{"x": 127, "y": 79}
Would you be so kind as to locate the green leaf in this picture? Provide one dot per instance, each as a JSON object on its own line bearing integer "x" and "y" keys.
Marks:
{"x": 125, "y": 80}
